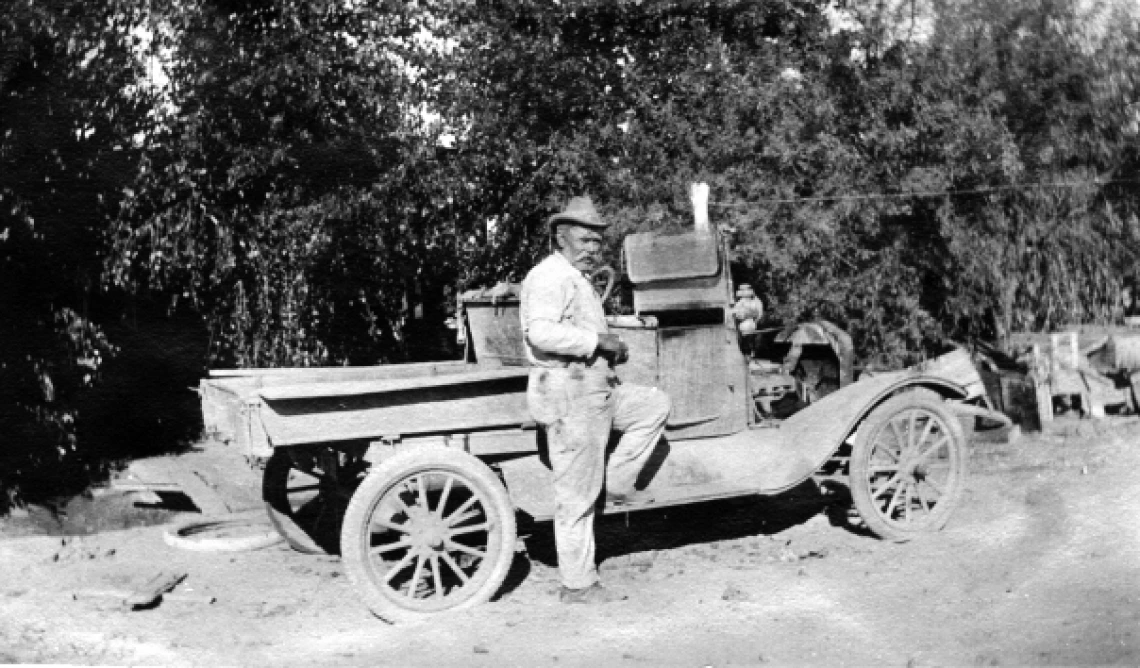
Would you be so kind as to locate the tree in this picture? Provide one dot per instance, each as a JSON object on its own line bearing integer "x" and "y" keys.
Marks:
{"x": 634, "y": 101}
{"x": 69, "y": 103}
{"x": 317, "y": 178}
{"x": 1042, "y": 103}
{"x": 270, "y": 191}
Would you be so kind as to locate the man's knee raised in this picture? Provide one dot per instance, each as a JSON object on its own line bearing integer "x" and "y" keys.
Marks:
{"x": 662, "y": 402}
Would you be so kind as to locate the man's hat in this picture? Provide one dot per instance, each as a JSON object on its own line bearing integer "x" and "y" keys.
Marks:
{"x": 580, "y": 211}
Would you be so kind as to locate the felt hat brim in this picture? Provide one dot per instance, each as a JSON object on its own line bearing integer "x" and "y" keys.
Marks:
{"x": 578, "y": 211}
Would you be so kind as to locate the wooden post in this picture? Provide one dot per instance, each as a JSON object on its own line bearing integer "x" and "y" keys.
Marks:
{"x": 1065, "y": 350}
{"x": 1042, "y": 387}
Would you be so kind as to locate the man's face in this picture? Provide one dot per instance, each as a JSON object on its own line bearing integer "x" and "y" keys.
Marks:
{"x": 581, "y": 245}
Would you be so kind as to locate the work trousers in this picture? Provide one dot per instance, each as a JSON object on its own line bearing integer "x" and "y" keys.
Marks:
{"x": 579, "y": 408}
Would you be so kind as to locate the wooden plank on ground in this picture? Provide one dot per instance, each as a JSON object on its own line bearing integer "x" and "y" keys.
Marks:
{"x": 119, "y": 596}
{"x": 204, "y": 495}
{"x": 214, "y": 487}
{"x": 148, "y": 594}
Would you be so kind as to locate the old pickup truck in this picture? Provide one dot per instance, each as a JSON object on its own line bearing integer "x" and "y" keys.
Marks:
{"x": 419, "y": 473}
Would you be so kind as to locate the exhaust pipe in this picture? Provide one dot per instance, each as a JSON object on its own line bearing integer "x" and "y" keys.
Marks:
{"x": 699, "y": 195}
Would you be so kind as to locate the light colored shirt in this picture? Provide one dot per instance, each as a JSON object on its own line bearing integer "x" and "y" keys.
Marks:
{"x": 561, "y": 314}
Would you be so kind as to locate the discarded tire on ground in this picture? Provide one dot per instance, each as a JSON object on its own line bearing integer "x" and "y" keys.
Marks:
{"x": 428, "y": 530}
{"x": 223, "y": 534}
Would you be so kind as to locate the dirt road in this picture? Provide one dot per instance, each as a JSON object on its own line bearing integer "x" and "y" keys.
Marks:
{"x": 1040, "y": 566}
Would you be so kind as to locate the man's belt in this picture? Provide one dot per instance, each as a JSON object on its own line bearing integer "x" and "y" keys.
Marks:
{"x": 592, "y": 363}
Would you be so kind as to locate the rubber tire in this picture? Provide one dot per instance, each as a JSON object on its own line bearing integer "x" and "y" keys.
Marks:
{"x": 195, "y": 535}
{"x": 859, "y": 479}
{"x": 355, "y": 534}
{"x": 274, "y": 491}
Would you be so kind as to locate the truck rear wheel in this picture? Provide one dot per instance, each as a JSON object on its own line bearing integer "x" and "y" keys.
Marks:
{"x": 429, "y": 530}
{"x": 303, "y": 511}
{"x": 908, "y": 467}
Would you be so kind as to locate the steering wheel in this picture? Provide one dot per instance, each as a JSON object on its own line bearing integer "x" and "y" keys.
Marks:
{"x": 607, "y": 272}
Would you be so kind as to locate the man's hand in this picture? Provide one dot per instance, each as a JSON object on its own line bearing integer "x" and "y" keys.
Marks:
{"x": 613, "y": 348}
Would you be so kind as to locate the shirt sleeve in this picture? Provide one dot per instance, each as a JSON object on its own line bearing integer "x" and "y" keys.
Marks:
{"x": 544, "y": 327}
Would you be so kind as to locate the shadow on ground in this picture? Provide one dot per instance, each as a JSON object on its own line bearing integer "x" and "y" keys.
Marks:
{"x": 670, "y": 528}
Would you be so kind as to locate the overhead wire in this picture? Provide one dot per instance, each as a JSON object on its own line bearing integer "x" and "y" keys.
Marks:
{"x": 921, "y": 193}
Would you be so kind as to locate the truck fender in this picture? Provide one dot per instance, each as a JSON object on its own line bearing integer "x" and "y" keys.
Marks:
{"x": 812, "y": 435}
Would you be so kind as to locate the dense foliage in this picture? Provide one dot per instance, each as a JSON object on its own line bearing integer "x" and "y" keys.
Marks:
{"x": 68, "y": 108}
{"x": 797, "y": 127}
{"x": 314, "y": 179}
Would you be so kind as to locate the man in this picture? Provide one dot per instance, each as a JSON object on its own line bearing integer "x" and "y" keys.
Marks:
{"x": 575, "y": 394}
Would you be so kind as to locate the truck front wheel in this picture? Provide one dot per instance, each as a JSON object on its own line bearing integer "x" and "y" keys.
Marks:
{"x": 908, "y": 466}
{"x": 430, "y": 529}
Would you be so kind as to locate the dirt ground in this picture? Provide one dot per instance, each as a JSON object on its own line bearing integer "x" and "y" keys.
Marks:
{"x": 1041, "y": 565}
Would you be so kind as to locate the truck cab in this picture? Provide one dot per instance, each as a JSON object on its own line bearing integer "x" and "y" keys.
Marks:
{"x": 685, "y": 339}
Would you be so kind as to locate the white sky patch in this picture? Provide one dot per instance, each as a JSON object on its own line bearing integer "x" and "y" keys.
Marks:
{"x": 840, "y": 19}
{"x": 153, "y": 59}
{"x": 791, "y": 74}
{"x": 88, "y": 57}
{"x": 156, "y": 61}
{"x": 905, "y": 20}
{"x": 1101, "y": 19}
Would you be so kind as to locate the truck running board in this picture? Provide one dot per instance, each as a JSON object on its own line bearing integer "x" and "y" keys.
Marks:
{"x": 675, "y": 496}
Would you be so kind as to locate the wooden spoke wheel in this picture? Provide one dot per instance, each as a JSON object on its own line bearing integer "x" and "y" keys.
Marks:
{"x": 429, "y": 530}
{"x": 302, "y": 502}
{"x": 908, "y": 467}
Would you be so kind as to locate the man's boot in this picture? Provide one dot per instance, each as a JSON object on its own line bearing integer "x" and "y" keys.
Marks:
{"x": 593, "y": 594}
{"x": 638, "y": 497}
